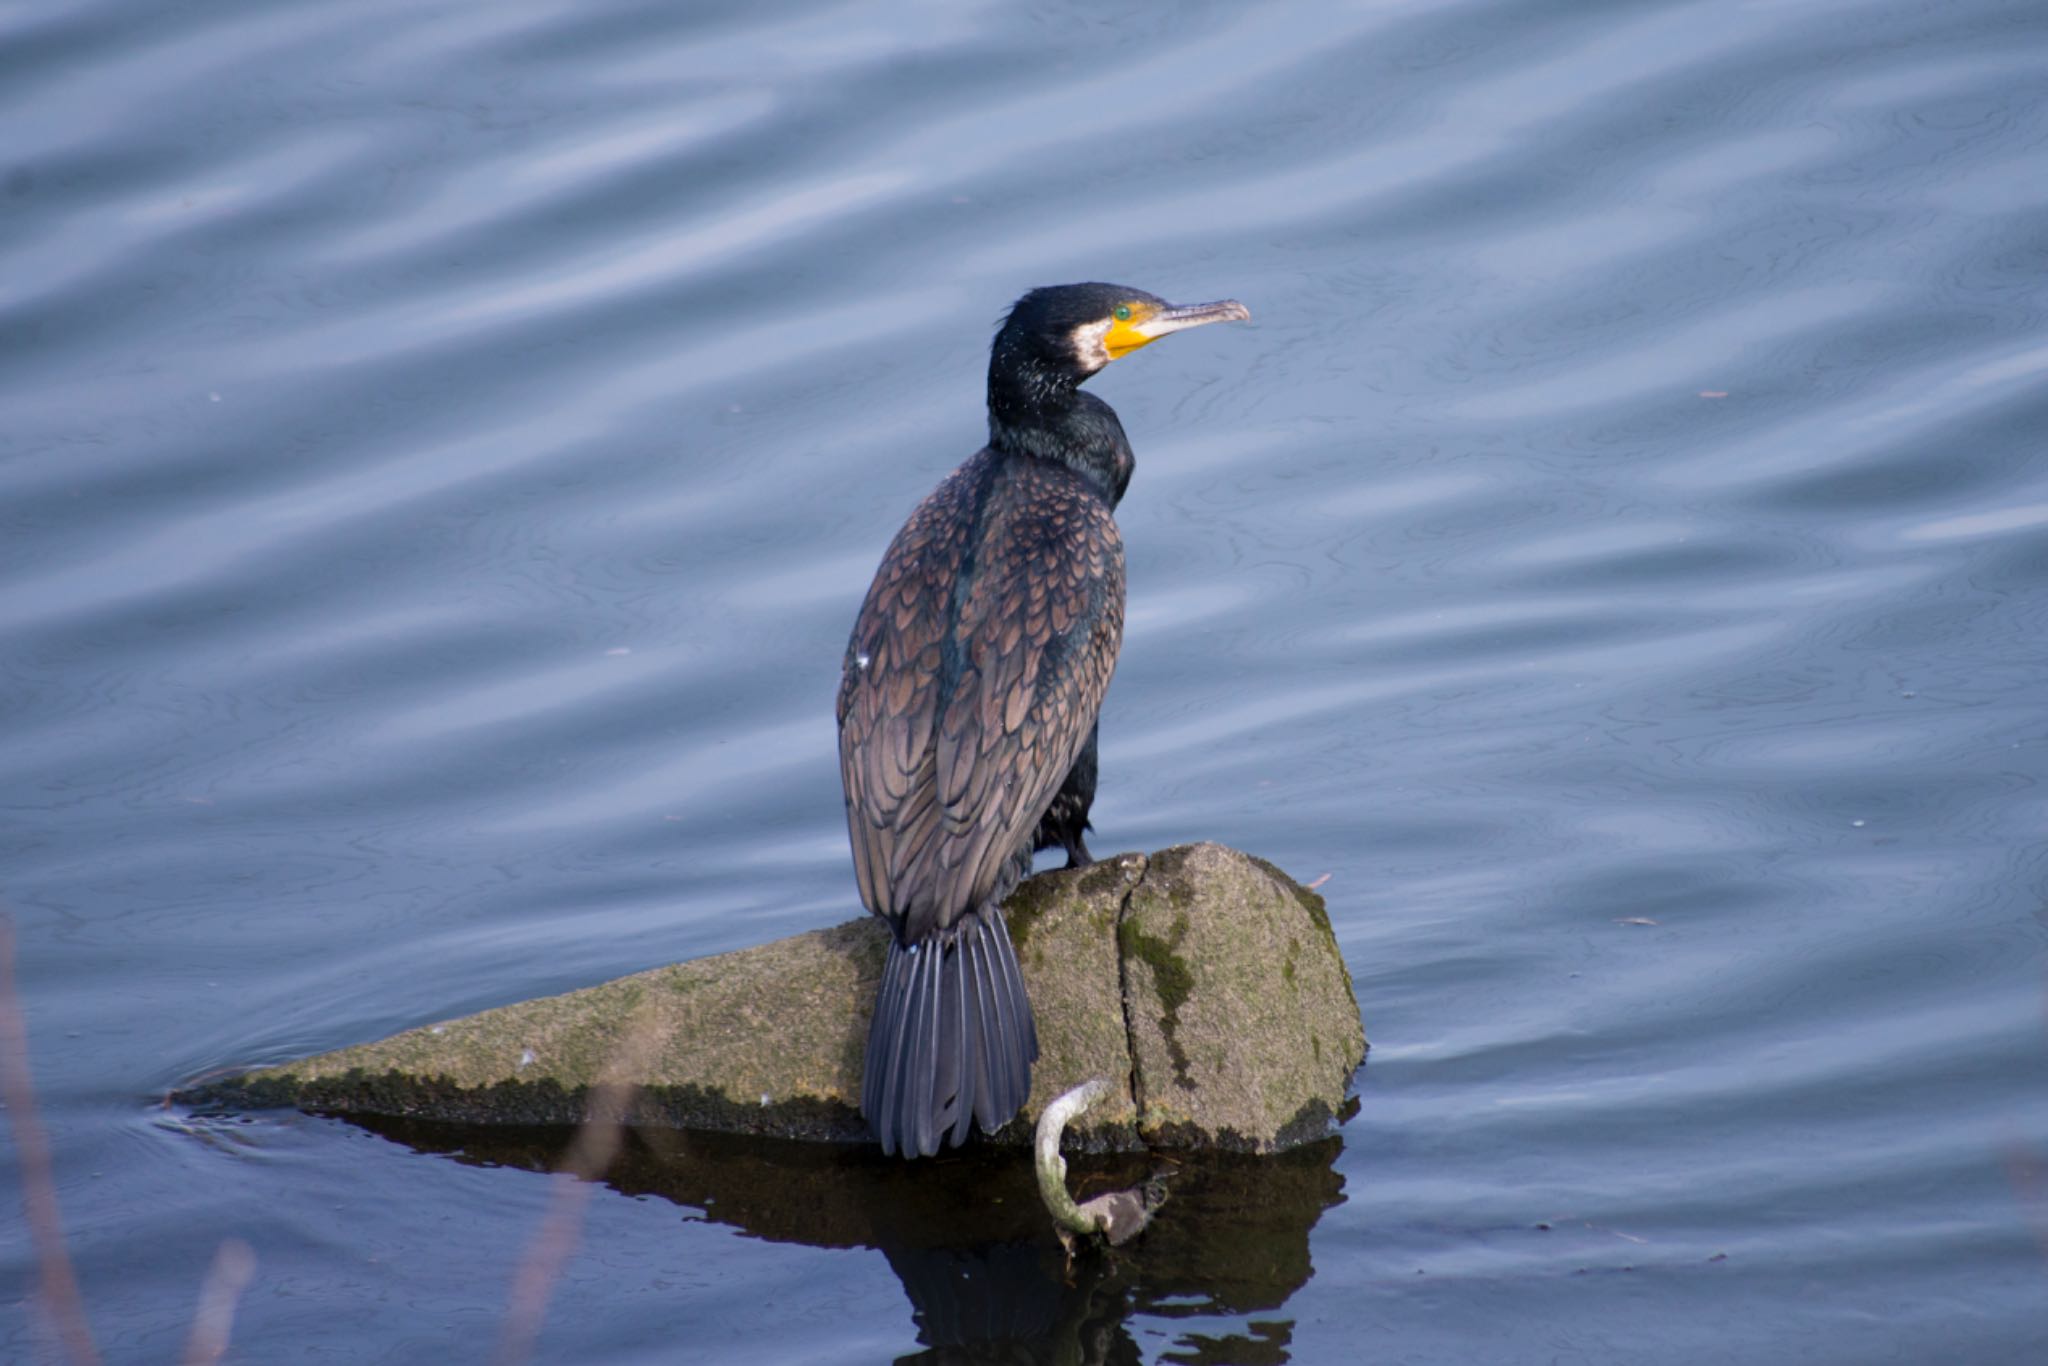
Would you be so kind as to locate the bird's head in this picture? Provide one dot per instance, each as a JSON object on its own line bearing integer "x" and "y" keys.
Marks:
{"x": 1074, "y": 330}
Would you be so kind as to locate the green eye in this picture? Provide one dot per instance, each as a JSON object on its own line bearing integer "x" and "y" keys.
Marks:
{"x": 1122, "y": 313}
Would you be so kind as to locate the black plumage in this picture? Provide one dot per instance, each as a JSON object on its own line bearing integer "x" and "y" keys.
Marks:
{"x": 968, "y": 702}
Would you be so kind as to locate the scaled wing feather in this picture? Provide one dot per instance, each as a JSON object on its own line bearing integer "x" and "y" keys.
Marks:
{"x": 960, "y": 711}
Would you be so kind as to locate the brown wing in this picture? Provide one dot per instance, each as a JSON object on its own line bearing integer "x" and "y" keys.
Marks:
{"x": 962, "y": 708}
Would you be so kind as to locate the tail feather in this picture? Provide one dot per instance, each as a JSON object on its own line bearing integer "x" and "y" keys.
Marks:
{"x": 953, "y": 1038}
{"x": 885, "y": 1047}
{"x": 991, "y": 1074}
{"x": 917, "y": 1124}
{"x": 973, "y": 1031}
{"x": 1010, "y": 977}
{"x": 959, "y": 1068}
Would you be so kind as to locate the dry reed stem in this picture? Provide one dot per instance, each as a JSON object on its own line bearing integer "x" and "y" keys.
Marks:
{"x": 589, "y": 1155}
{"x": 59, "y": 1284}
{"x": 234, "y": 1266}
{"x": 2024, "y": 1171}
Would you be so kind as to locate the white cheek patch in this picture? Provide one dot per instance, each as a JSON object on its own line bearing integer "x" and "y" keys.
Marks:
{"x": 1089, "y": 346}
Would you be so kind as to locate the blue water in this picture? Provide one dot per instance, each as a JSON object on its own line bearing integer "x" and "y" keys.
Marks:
{"x": 444, "y": 446}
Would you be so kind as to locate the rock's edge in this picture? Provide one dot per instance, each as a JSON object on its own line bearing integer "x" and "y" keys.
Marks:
{"x": 820, "y": 1117}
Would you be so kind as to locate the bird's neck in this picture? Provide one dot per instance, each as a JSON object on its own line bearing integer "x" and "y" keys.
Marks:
{"x": 1042, "y": 413}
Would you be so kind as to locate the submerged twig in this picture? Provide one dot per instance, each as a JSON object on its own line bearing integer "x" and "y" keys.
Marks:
{"x": 1116, "y": 1217}
{"x": 1052, "y": 1168}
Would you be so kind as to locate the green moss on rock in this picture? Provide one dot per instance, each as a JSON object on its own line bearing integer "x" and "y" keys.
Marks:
{"x": 1172, "y": 981}
{"x": 1230, "y": 982}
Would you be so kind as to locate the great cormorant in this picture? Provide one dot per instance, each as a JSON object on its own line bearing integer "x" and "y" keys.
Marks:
{"x": 967, "y": 707}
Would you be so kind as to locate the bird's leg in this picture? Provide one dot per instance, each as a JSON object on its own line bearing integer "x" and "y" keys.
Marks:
{"x": 1066, "y": 820}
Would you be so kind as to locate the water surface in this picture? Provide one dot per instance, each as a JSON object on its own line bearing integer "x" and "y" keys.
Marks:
{"x": 444, "y": 447}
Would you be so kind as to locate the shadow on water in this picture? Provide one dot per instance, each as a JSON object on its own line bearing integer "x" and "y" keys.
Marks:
{"x": 967, "y": 1237}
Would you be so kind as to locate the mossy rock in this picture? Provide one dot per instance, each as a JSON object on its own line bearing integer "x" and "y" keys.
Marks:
{"x": 1206, "y": 984}
{"x": 1242, "y": 1022}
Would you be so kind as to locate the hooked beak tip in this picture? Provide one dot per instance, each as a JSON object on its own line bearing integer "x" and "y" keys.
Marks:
{"x": 1183, "y": 316}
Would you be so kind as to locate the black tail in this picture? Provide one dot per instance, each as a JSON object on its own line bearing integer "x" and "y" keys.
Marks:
{"x": 953, "y": 1039}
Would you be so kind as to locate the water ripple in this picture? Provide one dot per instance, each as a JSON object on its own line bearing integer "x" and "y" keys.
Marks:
{"x": 446, "y": 445}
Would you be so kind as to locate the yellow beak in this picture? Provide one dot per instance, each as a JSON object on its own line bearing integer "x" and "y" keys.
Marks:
{"x": 1126, "y": 337}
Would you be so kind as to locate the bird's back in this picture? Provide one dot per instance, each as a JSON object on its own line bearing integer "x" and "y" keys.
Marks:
{"x": 973, "y": 676}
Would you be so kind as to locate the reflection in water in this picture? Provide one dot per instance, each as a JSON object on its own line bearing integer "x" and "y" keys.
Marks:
{"x": 966, "y": 1236}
